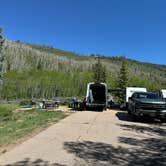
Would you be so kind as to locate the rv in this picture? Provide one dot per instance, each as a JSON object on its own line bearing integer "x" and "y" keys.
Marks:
{"x": 163, "y": 93}
{"x": 96, "y": 96}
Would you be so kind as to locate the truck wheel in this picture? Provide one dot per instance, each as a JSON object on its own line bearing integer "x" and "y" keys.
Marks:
{"x": 163, "y": 120}
{"x": 132, "y": 110}
{"x": 132, "y": 113}
{"x": 129, "y": 112}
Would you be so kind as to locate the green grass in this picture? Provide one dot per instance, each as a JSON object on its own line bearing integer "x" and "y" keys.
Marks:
{"x": 18, "y": 124}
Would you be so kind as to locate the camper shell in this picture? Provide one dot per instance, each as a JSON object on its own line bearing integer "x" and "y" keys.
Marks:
{"x": 96, "y": 95}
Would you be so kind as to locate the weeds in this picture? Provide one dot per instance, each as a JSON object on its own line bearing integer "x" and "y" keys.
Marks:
{"x": 17, "y": 124}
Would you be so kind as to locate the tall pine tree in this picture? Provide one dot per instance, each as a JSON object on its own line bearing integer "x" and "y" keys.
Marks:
{"x": 1, "y": 53}
{"x": 122, "y": 82}
{"x": 99, "y": 71}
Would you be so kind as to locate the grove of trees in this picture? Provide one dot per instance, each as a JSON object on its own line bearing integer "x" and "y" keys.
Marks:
{"x": 34, "y": 71}
{"x": 38, "y": 83}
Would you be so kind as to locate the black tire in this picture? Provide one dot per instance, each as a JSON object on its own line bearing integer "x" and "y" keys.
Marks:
{"x": 132, "y": 113}
{"x": 129, "y": 112}
{"x": 132, "y": 110}
{"x": 163, "y": 120}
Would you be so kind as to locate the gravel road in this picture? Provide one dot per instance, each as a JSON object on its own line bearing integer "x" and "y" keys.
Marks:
{"x": 93, "y": 138}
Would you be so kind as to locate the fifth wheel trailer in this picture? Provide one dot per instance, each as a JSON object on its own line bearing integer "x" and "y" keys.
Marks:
{"x": 96, "y": 96}
{"x": 163, "y": 93}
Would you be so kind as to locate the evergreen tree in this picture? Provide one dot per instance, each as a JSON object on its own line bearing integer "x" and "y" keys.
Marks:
{"x": 1, "y": 53}
{"x": 99, "y": 71}
{"x": 122, "y": 82}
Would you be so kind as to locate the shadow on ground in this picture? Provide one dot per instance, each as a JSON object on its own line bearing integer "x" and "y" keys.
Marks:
{"x": 131, "y": 151}
{"x": 115, "y": 107}
{"x": 150, "y": 129}
{"x": 29, "y": 162}
{"x": 124, "y": 116}
{"x": 150, "y": 152}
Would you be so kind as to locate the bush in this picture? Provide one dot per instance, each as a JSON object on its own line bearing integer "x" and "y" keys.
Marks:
{"x": 65, "y": 103}
{"x": 26, "y": 102}
{"x": 5, "y": 113}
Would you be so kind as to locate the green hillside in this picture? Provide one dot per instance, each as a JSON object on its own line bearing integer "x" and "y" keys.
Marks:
{"x": 42, "y": 71}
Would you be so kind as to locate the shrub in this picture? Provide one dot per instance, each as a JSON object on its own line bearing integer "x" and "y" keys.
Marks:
{"x": 5, "y": 113}
{"x": 26, "y": 102}
{"x": 65, "y": 103}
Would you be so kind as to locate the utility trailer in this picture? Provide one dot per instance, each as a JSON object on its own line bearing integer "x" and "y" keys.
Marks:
{"x": 96, "y": 96}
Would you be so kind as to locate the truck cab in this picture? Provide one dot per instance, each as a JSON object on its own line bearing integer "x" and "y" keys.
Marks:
{"x": 131, "y": 90}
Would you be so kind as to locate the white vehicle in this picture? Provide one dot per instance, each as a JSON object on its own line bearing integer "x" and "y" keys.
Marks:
{"x": 96, "y": 95}
{"x": 131, "y": 90}
{"x": 163, "y": 93}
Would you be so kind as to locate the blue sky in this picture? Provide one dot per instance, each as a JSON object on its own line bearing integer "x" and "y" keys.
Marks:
{"x": 132, "y": 28}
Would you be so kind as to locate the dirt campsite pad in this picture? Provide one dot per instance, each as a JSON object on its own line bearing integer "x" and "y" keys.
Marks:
{"x": 93, "y": 138}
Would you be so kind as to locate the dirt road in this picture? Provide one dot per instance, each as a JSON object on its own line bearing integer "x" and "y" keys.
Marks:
{"x": 93, "y": 138}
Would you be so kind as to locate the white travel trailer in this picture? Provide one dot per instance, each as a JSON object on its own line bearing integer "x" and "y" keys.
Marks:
{"x": 96, "y": 96}
{"x": 163, "y": 93}
{"x": 131, "y": 90}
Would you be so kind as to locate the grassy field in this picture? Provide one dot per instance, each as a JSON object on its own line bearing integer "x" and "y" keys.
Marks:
{"x": 17, "y": 124}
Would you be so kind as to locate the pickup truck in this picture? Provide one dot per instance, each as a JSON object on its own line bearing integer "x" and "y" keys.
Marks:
{"x": 131, "y": 90}
{"x": 147, "y": 104}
